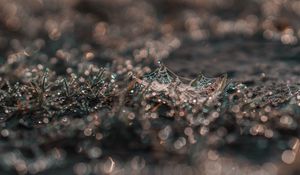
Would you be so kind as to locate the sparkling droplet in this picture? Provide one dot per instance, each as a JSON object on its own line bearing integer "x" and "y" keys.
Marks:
{"x": 288, "y": 156}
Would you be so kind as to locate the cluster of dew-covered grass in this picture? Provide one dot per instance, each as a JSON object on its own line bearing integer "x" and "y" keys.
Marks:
{"x": 104, "y": 117}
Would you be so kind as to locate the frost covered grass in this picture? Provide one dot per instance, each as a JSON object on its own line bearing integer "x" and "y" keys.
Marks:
{"x": 99, "y": 114}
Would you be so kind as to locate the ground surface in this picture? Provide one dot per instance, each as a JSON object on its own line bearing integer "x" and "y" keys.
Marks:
{"x": 61, "y": 113}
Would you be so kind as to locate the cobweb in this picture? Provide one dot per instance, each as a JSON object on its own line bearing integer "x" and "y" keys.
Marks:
{"x": 202, "y": 82}
{"x": 167, "y": 86}
{"x": 162, "y": 75}
{"x": 165, "y": 76}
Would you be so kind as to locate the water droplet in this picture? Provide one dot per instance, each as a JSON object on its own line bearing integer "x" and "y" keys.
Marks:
{"x": 88, "y": 131}
{"x": 179, "y": 143}
{"x": 94, "y": 152}
{"x": 5, "y": 133}
{"x": 164, "y": 133}
{"x": 288, "y": 156}
{"x": 109, "y": 165}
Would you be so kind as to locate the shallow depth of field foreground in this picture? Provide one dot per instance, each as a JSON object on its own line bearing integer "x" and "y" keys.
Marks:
{"x": 149, "y": 87}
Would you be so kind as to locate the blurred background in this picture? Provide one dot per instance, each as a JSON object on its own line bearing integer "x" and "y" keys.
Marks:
{"x": 215, "y": 36}
{"x": 256, "y": 42}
